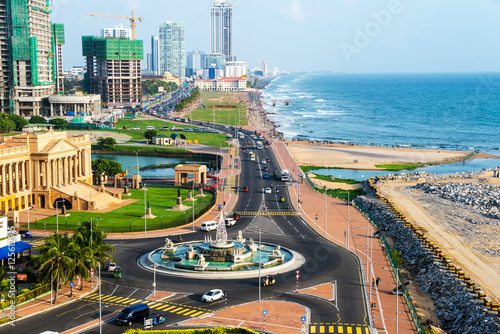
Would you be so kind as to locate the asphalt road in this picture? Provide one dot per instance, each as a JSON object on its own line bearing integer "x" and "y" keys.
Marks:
{"x": 325, "y": 262}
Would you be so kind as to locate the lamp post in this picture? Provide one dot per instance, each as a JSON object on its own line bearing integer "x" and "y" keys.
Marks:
{"x": 29, "y": 216}
{"x": 154, "y": 279}
{"x": 57, "y": 217}
{"x": 193, "y": 205}
{"x": 100, "y": 301}
{"x": 145, "y": 210}
{"x": 324, "y": 188}
{"x": 260, "y": 258}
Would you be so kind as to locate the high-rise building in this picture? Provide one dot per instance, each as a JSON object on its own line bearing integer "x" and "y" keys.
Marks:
{"x": 221, "y": 28}
{"x": 113, "y": 69}
{"x": 117, "y": 32}
{"x": 236, "y": 69}
{"x": 264, "y": 68}
{"x": 57, "y": 31}
{"x": 195, "y": 61}
{"x": 27, "y": 67}
{"x": 155, "y": 55}
{"x": 149, "y": 60}
{"x": 215, "y": 59}
{"x": 172, "y": 49}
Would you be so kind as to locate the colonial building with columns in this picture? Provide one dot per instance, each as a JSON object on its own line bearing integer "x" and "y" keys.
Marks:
{"x": 38, "y": 169}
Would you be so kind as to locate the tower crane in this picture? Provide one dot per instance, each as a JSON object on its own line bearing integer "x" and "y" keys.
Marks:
{"x": 131, "y": 18}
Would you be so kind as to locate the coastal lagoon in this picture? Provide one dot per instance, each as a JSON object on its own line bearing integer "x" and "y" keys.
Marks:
{"x": 151, "y": 167}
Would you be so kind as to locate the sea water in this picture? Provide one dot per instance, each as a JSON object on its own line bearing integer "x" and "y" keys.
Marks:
{"x": 436, "y": 111}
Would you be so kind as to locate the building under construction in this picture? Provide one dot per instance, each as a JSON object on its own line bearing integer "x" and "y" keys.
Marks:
{"x": 30, "y": 57}
{"x": 114, "y": 69}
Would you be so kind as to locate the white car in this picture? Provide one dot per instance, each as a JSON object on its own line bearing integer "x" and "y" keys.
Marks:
{"x": 268, "y": 190}
{"x": 136, "y": 128}
{"x": 212, "y": 295}
{"x": 263, "y": 161}
{"x": 112, "y": 266}
{"x": 229, "y": 221}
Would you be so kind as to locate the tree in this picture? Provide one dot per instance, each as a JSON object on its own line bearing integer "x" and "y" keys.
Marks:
{"x": 110, "y": 167}
{"x": 61, "y": 122}
{"x": 6, "y": 125}
{"x": 150, "y": 134}
{"x": 93, "y": 245}
{"x": 37, "y": 120}
{"x": 110, "y": 141}
{"x": 19, "y": 121}
{"x": 55, "y": 259}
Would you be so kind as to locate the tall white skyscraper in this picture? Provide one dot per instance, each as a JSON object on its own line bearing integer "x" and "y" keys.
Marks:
{"x": 172, "y": 49}
{"x": 155, "y": 55}
{"x": 264, "y": 67}
{"x": 221, "y": 28}
{"x": 117, "y": 32}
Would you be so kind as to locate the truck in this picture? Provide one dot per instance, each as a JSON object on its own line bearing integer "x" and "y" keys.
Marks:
{"x": 285, "y": 175}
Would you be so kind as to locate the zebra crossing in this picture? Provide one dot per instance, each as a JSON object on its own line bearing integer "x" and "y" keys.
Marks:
{"x": 37, "y": 243}
{"x": 338, "y": 328}
{"x": 266, "y": 213}
{"x": 263, "y": 224}
{"x": 156, "y": 305}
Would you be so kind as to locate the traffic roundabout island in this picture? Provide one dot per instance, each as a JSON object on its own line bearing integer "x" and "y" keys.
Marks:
{"x": 221, "y": 258}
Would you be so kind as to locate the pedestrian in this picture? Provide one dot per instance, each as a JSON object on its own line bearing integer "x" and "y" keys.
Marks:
{"x": 378, "y": 280}
{"x": 373, "y": 281}
{"x": 220, "y": 207}
{"x": 224, "y": 203}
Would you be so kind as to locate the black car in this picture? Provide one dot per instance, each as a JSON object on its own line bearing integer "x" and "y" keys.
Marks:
{"x": 265, "y": 168}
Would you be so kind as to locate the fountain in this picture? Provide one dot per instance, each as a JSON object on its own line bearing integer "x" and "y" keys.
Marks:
{"x": 220, "y": 255}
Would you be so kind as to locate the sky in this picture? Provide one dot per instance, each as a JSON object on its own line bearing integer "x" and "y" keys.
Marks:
{"x": 314, "y": 35}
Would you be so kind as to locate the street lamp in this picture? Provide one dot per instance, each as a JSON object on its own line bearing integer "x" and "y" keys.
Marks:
{"x": 154, "y": 279}
{"x": 145, "y": 211}
{"x": 260, "y": 259}
{"x": 324, "y": 188}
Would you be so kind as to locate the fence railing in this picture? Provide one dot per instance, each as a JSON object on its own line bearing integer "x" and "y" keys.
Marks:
{"x": 21, "y": 298}
{"x": 387, "y": 249}
{"x": 127, "y": 226}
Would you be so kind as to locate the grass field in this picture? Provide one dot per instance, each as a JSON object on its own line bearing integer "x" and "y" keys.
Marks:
{"x": 151, "y": 148}
{"x": 398, "y": 167}
{"x": 230, "y": 116}
{"x": 128, "y": 218}
{"x": 338, "y": 180}
{"x": 211, "y": 139}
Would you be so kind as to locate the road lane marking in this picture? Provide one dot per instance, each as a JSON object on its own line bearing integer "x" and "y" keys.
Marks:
{"x": 132, "y": 293}
{"x": 114, "y": 290}
{"x": 71, "y": 310}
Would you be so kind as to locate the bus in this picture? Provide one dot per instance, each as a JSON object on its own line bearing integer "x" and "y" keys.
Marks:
{"x": 260, "y": 146}
{"x": 285, "y": 175}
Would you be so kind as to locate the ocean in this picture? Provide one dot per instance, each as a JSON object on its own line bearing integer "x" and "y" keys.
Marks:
{"x": 437, "y": 111}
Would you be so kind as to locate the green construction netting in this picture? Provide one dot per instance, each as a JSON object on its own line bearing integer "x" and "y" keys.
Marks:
{"x": 58, "y": 33}
{"x": 118, "y": 49}
{"x": 34, "y": 60}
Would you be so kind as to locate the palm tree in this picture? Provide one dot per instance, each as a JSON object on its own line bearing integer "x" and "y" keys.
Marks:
{"x": 79, "y": 256}
{"x": 93, "y": 247}
{"x": 55, "y": 261}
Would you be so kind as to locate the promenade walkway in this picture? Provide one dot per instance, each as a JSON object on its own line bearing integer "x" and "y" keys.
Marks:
{"x": 347, "y": 227}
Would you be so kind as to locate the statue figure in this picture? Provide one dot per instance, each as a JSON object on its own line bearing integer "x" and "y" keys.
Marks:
{"x": 148, "y": 203}
{"x": 190, "y": 248}
{"x": 178, "y": 192}
{"x": 276, "y": 250}
{"x": 201, "y": 259}
{"x": 168, "y": 243}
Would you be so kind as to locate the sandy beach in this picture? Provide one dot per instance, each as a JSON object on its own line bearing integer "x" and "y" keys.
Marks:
{"x": 366, "y": 157}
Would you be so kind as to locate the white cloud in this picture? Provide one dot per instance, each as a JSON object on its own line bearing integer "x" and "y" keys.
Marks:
{"x": 294, "y": 11}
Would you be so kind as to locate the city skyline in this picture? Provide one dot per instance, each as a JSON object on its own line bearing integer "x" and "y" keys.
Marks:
{"x": 346, "y": 35}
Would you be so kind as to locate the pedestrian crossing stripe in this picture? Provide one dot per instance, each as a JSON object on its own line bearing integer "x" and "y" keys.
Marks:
{"x": 177, "y": 308}
{"x": 266, "y": 213}
{"x": 341, "y": 329}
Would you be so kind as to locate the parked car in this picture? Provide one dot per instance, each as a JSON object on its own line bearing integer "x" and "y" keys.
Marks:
{"x": 136, "y": 128}
{"x": 196, "y": 130}
{"x": 212, "y": 295}
{"x": 165, "y": 128}
{"x": 150, "y": 127}
{"x": 188, "y": 130}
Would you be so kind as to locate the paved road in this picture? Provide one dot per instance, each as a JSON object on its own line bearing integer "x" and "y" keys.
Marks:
{"x": 325, "y": 262}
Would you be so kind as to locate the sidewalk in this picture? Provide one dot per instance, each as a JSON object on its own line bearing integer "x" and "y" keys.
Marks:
{"x": 359, "y": 241}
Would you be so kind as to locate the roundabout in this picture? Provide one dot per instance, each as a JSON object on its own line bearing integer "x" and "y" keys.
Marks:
{"x": 222, "y": 258}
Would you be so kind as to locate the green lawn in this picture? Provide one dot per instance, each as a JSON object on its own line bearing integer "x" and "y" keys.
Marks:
{"x": 128, "y": 218}
{"x": 398, "y": 167}
{"x": 338, "y": 180}
{"x": 150, "y": 148}
{"x": 210, "y": 139}
{"x": 230, "y": 116}
{"x": 307, "y": 169}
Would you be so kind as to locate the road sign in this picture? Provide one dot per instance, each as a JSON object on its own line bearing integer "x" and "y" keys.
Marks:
{"x": 297, "y": 276}
{"x": 264, "y": 312}
{"x": 302, "y": 318}
{"x": 297, "y": 272}
{"x": 71, "y": 284}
